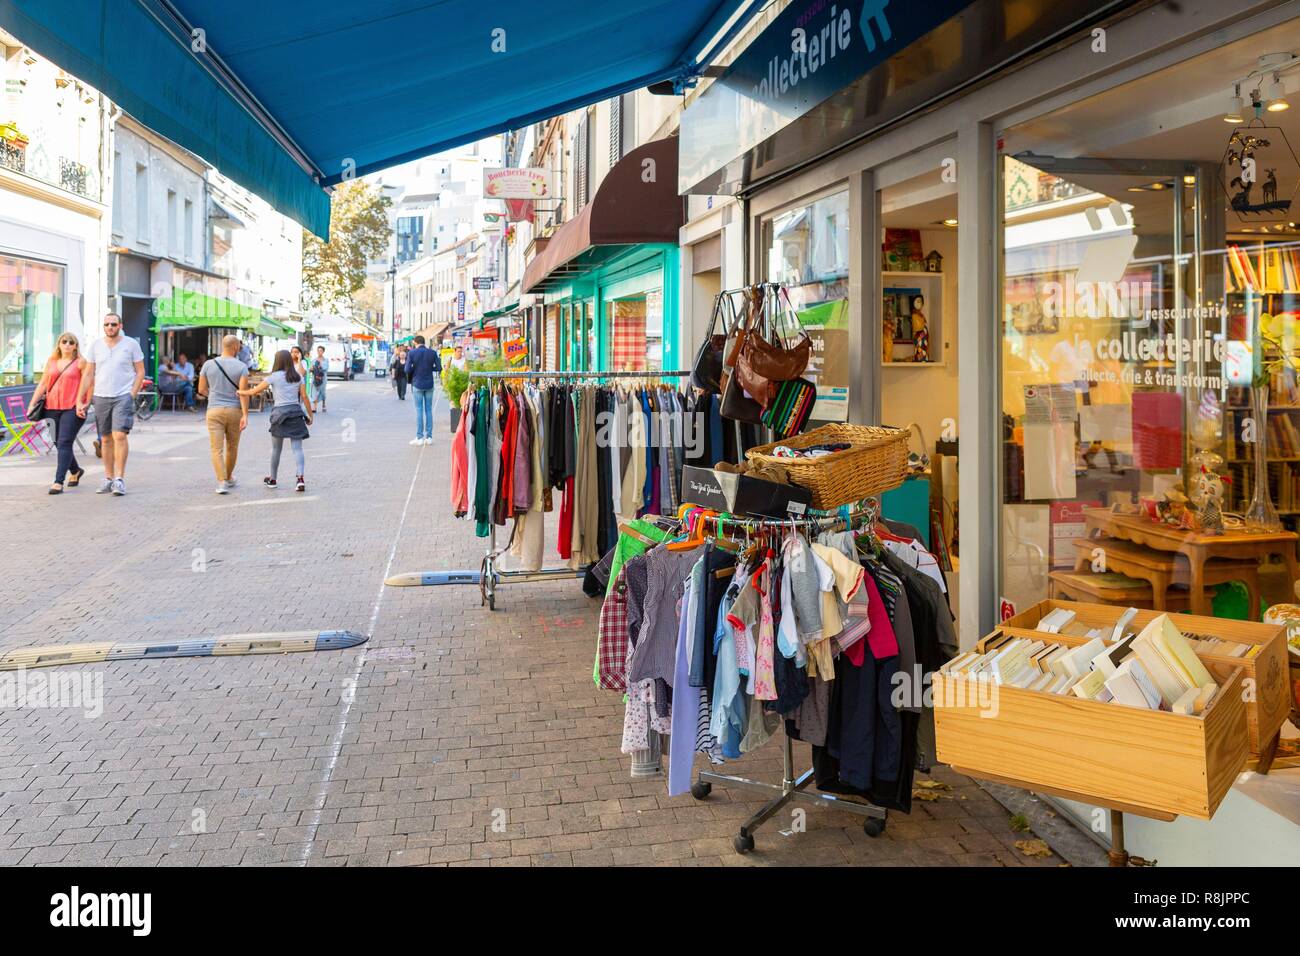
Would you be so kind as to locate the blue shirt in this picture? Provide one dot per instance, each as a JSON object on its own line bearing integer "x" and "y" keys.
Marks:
{"x": 422, "y": 364}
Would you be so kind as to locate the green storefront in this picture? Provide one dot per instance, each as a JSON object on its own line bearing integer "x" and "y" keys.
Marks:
{"x": 194, "y": 324}
{"x": 610, "y": 277}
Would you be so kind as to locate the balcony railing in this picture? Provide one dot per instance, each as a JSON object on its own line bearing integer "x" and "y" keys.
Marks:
{"x": 68, "y": 174}
{"x": 13, "y": 156}
{"x": 74, "y": 177}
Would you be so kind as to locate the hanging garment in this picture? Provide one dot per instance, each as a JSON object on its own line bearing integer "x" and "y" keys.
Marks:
{"x": 471, "y": 455}
{"x": 686, "y": 699}
{"x": 482, "y": 453}
{"x": 459, "y": 463}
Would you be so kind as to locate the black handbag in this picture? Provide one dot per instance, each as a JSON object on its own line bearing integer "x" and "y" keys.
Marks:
{"x": 38, "y": 407}
{"x": 706, "y": 374}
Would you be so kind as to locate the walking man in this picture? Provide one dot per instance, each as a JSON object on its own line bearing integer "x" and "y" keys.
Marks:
{"x": 112, "y": 379}
{"x": 422, "y": 367}
{"x": 220, "y": 380}
{"x": 320, "y": 376}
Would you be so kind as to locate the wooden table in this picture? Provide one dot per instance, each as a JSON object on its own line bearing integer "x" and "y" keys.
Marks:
{"x": 1161, "y": 569}
{"x": 1197, "y": 548}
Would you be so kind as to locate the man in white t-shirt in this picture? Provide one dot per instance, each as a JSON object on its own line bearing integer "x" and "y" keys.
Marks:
{"x": 113, "y": 376}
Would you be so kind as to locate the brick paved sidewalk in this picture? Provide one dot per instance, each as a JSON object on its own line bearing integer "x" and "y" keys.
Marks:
{"x": 405, "y": 751}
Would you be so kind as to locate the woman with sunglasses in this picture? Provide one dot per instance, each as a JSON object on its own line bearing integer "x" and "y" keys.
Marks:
{"x": 59, "y": 386}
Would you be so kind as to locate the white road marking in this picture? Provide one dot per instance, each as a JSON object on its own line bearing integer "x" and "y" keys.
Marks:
{"x": 336, "y": 745}
{"x": 292, "y": 496}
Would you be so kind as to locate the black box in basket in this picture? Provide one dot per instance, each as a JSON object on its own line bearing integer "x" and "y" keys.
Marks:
{"x": 741, "y": 494}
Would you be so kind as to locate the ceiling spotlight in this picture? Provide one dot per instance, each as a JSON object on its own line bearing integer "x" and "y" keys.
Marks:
{"x": 1189, "y": 180}
{"x": 950, "y": 222}
{"x": 1235, "y": 106}
{"x": 1276, "y": 96}
{"x": 1137, "y": 189}
{"x": 1157, "y": 185}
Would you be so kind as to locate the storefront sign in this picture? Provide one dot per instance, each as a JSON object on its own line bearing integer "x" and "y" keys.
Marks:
{"x": 460, "y": 306}
{"x": 811, "y": 51}
{"x": 484, "y": 282}
{"x": 515, "y": 184}
{"x": 516, "y": 350}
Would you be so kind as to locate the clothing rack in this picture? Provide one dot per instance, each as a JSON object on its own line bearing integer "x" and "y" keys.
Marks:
{"x": 489, "y": 577}
{"x": 791, "y": 788}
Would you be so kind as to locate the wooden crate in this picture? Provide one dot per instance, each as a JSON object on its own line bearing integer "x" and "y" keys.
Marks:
{"x": 1151, "y": 763}
{"x": 1265, "y": 670}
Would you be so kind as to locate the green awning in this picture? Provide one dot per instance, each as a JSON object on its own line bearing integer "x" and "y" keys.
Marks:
{"x": 194, "y": 310}
{"x": 506, "y": 310}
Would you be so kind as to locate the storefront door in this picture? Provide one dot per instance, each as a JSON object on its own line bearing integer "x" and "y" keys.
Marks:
{"x": 1112, "y": 342}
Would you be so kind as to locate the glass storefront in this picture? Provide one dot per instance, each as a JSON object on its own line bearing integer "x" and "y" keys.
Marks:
{"x": 807, "y": 249}
{"x": 1149, "y": 294}
{"x": 31, "y": 317}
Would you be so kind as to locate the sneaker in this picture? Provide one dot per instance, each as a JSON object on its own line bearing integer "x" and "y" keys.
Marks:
{"x": 231, "y": 484}
{"x": 105, "y": 487}
{"x": 428, "y": 441}
{"x": 222, "y": 489}
{"x": 269, "y": 482}
{"x": 119, "y": 487}
{"x": 417, "y": 441}
{"x": 302, "y": 485}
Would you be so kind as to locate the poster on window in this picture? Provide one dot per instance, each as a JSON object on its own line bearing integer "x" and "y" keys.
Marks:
{"x": 828, "y": 365}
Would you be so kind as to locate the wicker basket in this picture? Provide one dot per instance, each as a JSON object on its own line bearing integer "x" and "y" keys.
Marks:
{"x": 876, "y": 462}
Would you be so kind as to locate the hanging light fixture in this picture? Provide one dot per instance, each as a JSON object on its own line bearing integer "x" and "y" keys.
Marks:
{"x": 1235, "y": 106}
{"x": 1276, "y": 96}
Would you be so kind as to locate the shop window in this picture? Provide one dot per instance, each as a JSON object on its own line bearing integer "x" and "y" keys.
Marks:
{"x": 1149, "y": 300}
{"x": 627, "y": 334}
{"x": 808, "y": 253}
{"x": 31, "y": 318}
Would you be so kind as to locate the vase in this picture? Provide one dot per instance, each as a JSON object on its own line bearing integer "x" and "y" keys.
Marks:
{"x": 1260, "y": 514}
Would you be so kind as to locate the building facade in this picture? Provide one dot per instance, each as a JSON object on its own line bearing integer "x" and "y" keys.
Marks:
{"x": 54, "y": 211}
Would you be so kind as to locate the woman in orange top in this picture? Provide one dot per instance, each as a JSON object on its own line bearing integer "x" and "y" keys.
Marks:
{"x": 59, "y": 385}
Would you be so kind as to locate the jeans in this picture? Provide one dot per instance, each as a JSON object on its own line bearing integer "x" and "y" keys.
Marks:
{"x": 66, "y": 425}
{"x": 277, "y": 445}
{"x": 223, "y": 439}
{"x": 423, "y": 413}
{"x": 400, "y": 381}
{"x": 185, "y": 390}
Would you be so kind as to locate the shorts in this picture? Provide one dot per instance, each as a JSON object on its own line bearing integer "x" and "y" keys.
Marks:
{"x": 114, "y": 414}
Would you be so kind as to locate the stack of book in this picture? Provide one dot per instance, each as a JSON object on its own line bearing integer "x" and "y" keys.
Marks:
{"x": 1153, "y": 670}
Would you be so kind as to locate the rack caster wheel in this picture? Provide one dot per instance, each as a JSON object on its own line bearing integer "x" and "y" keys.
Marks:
{"x": 701, "y": 789}
{"x": 743, "y": 842}
{"x": 873, "y": 827}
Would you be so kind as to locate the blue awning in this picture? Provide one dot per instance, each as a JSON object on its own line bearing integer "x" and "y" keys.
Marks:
{"x": 289, "y": 97}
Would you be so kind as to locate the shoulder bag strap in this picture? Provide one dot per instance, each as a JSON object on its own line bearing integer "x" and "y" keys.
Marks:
{"x": 222, "y": 370}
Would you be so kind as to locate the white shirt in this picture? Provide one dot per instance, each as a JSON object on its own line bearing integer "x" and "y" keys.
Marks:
{"x": 114, "y": 366}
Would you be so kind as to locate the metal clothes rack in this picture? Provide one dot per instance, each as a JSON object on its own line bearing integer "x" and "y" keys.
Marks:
{"x": 489, "y": 577}
{"x": 791, "y": 788}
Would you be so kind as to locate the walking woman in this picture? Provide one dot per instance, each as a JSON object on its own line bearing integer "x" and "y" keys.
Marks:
{"x": 290, "y": 415}
{"x": 299, "y": 363}
{"x": 59, "y": 387}
{"x": 398, "y": 369}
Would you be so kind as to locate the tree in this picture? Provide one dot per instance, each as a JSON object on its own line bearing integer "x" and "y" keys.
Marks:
{"x": 370, "y": 298}
{"x": 333, "y": 272}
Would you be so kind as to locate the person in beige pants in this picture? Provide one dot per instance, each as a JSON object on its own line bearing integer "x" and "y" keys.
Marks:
{"x": 220, "y": 381}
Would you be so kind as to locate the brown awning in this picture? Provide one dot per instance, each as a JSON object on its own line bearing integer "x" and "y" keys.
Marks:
{"x": 636, "y": 203}
{"x": 433, "y": 333}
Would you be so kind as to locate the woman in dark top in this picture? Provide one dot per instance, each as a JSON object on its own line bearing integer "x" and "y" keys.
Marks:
{"x": 398, "y": 369}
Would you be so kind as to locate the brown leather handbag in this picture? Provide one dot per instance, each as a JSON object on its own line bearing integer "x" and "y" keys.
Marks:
{"x": 761, "y": 364}
{"x": 735, "y": 404}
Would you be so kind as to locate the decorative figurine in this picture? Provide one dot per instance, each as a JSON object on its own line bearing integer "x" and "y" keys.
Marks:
{"x": 934, "y": 262}
{"x": 920, "y": 332}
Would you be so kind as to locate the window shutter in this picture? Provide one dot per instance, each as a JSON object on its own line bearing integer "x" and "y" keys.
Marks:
{"x": 581, "y": 166}
{"x": 615, "y": 130}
